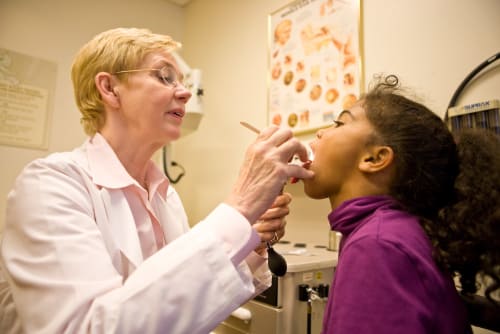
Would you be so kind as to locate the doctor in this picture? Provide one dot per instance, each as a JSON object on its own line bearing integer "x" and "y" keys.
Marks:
{"x": 97, "y": 241}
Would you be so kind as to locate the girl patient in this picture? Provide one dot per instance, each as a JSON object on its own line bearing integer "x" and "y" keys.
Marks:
{"x": 415, "y": 209}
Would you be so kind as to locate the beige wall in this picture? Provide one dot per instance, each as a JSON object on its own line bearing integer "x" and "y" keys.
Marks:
{"x": 54, "y": 30}
{"x": 432, "y": 45}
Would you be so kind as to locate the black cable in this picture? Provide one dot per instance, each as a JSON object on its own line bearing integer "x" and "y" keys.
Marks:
{"x": 468, "y": 78}
{"x": 309, "y": 313}
{"x": 173, "y": 164}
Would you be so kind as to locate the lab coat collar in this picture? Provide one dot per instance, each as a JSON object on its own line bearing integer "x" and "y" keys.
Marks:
{"x": 105, "y": 167}
{"x": 108, "y": 173}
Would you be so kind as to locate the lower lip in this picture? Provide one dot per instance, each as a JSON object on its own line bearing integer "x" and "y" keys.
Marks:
{"x": 174, "y": 116}
{"x": 306, "y": 165}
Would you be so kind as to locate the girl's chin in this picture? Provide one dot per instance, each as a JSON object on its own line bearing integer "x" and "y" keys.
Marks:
{"x": 308, "y": 189}
{"x": 311, "y": 191}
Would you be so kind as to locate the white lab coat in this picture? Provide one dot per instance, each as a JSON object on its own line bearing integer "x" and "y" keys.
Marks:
{"x": 76, "y": 266}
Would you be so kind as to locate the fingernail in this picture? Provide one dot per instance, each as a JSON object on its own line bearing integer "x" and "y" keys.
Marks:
{"x": 294, "y": 180}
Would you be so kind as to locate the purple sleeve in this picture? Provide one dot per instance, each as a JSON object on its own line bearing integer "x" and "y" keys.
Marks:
{"x": 377, "y": 290}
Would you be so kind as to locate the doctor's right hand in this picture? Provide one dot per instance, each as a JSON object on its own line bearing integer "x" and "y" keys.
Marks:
{"x": 265, "y": 171}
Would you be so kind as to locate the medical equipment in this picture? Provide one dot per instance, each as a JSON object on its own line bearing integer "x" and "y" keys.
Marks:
{"x": 484, "y": 114}
{"x": 295, "y": 303}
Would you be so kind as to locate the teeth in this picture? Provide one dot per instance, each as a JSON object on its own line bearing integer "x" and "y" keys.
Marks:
{"x": 296, "y": 159}
{"x": 310, "y": 153}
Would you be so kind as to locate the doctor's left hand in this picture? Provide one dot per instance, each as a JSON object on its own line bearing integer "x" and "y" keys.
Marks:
{"x": 271, "y": 225}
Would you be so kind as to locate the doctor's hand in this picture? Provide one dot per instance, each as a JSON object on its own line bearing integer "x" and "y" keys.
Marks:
{"x": 265, "y": 171}
{"x": 271, "y": 225}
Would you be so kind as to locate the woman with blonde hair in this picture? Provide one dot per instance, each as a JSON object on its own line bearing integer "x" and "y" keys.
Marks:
{"x": 97, "y": 241}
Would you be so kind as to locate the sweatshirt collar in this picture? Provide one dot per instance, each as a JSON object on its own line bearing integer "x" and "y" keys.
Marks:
{"x": 346, "y": 217}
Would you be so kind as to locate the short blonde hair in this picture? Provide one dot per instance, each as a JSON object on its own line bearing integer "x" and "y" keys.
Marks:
{"x": 110, "y": 51}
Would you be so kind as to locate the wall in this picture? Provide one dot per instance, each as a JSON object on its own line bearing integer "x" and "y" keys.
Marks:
{"x": 54, "y": 30}
{"x": 431, "y": 45}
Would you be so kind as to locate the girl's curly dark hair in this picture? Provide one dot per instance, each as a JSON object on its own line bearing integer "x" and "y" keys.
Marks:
{"x": 453, "y": 188}
{"x": 424, "y": 150}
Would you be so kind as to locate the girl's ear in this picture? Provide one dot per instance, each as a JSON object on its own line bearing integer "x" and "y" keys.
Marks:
{"x": 107, "y": 86}
{"x": 376, "y": 159}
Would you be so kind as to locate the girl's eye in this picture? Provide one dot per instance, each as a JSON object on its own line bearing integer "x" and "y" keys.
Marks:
{"x": 337, "y": 123}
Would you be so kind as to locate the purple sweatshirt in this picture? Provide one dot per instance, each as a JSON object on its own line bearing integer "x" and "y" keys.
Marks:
{"x": 386, "y": 280}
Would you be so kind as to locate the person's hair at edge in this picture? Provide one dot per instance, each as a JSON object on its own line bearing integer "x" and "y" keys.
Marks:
{"x": 468, "y": 239}
{"x": 452, "y": 188}
{"x": 110, "y": 51}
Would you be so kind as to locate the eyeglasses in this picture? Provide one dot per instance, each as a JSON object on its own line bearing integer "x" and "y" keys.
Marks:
{"x": 167, "y": 74}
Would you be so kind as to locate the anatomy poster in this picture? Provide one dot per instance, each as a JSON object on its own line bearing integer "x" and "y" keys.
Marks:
{"x": 315, "y": 62}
